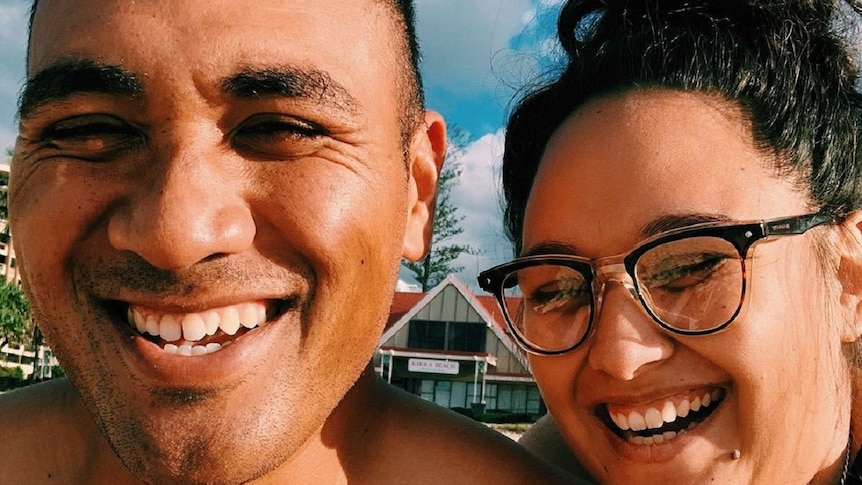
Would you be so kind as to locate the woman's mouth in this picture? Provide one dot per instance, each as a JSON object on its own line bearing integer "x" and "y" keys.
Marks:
{"x": 662, "y": 420}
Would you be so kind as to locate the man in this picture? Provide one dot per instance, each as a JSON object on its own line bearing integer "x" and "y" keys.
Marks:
{"x": 209, "y": 201}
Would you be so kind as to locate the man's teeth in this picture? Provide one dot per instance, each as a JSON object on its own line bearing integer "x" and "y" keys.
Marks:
{"x": 188, "y": 328}
{"x": 654, "y": 418}
{"x": 190, "y": 350}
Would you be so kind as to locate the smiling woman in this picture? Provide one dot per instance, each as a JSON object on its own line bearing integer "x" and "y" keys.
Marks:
{"x": 685, "y": 203}
{"x": 210, "y": 201}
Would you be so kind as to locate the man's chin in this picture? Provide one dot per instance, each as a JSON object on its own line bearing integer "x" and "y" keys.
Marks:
{"x": 207, "y": 446}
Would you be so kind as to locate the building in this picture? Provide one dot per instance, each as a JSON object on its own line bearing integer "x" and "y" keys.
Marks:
{"x": 34, "y": 364}
{"x": 7, "y": 255}
{"x": 453, "y": 348}
{"x": 40, "y": 361}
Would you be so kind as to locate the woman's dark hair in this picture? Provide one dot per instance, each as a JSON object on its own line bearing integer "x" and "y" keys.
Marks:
{"x": 781, "y": 61}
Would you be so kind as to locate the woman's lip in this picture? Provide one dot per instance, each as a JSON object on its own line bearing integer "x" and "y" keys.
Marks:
{"x": 645, "y": 397}
{"x": 668, "y": 450}
{"x": 704, "y": 393}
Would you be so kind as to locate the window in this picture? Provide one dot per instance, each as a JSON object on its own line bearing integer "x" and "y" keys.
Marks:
{"x": 427, "y": 335}
{"x": 442, "y": 393}
{"x": 457, "y": 336}
{"x": 426, "y": 390}
{"x": 466, "y": 337}
{"x": 491, "y": 396}
{"x": 534, "y": 400}
{"x": 504, "y": 397}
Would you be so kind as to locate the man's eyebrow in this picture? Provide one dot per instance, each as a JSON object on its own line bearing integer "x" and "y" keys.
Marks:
{"x": 289, "y": 82}
{"x": 66, "y": 78}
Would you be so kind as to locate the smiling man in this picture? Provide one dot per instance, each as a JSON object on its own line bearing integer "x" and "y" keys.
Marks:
{"x": 209, "y": 202}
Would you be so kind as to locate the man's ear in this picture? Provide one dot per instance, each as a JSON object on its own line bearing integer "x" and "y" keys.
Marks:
{"x": 427, "y": 152}
{"x": 850, "y": 275}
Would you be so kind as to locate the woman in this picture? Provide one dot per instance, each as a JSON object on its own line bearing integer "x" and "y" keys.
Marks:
{"x": 685, "y": 202}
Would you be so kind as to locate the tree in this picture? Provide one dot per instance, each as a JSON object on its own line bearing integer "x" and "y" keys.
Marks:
{"x": 439, "y": 262}
{"x": 14, "y": 314}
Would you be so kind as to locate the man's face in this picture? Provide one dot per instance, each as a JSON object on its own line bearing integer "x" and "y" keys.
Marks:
{"x": 186, "y": 170}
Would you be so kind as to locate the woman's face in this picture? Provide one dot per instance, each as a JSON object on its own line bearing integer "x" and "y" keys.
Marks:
{"x": 776, "y": 376}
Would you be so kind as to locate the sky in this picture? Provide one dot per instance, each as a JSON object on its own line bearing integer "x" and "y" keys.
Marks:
{"x": 476, "y": 54}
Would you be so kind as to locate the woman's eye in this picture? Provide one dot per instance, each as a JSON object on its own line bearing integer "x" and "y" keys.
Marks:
{"x": 91, "y": 137}
{"x": 557, "y": 296}
{"x": 684, "y": 275}
{"x": 278, "y": 138}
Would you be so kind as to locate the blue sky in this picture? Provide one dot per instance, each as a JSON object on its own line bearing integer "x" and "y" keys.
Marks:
{"x": 475, "y": 54}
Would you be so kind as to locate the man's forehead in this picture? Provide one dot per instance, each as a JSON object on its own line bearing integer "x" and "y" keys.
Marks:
{"x": 331, "y": 48}
{"x": 62, "y": 25}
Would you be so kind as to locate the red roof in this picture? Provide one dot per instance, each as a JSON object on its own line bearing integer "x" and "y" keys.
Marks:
{"x": 489, "y": 303}
{"x": 402, "y": 302}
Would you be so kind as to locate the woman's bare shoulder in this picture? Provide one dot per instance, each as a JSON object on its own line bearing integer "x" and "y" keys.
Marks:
{"x": 544, "y": 440}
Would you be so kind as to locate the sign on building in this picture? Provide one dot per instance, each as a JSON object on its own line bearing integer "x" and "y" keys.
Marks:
{"x": 432, "y": 366}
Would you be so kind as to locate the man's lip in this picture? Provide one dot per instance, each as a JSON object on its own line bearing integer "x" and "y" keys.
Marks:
{"x": 158, "y": 367}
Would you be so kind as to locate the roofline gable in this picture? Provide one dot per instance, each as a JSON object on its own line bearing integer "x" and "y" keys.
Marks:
{"x": 473, "y": 301}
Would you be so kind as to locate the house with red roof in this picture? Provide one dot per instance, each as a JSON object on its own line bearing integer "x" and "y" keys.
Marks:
{"x": 452, "y": 347}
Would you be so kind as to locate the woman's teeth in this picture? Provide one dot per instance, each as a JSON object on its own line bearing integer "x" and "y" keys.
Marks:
{"x": 655, "y": 425}
{"x": 187, "y": 330}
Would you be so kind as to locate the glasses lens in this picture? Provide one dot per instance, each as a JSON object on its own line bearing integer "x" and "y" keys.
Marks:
{"x": 548, "y": 306}
{"x": 693, "y": 284}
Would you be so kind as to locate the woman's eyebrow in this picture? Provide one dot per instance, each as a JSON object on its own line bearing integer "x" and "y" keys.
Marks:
{"x": 550, "y": 247}
{"x": 676, "y": 221}
{"x": 656, "y": 226}
{"x": 71, "y": 76}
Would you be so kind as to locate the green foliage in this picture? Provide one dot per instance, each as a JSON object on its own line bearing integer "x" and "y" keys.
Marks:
{"x": 14, "y": 372}
{"x": 430, "y": 271}
{"x": 11, "y": 378}
{"x": 14, "y": 313}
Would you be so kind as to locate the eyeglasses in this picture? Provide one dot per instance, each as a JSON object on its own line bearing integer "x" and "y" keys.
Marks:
{"x": 691, "y": 281}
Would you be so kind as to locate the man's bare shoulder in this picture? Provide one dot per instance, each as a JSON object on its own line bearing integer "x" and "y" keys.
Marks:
{"x": 39, "y": 431}
{"x": 47, "y": 434}
{"x": 440, "y": 446}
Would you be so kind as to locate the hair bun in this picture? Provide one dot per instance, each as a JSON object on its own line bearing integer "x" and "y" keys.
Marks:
{"x": 580, "y": 18}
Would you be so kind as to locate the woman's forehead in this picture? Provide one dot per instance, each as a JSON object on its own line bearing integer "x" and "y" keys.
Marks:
{"x": 619, "y": 163}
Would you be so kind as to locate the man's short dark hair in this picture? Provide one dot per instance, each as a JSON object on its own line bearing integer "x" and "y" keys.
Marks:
{"x": 411, "y": 92}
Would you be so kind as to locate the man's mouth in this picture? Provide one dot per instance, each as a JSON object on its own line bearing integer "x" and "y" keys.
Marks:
{"x": 204, "y": 332}
{"x": 663, "y": 420}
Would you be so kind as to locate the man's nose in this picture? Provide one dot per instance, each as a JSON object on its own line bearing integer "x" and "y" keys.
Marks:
{"x": 626, "y": 341}
{"x": 189, "y": 208}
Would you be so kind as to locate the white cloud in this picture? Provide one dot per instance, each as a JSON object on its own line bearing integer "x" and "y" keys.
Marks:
{"x": 478, "y": 200}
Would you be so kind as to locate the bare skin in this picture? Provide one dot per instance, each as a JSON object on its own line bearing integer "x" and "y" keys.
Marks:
{"x": 210, "y": 201}
{"x": 403, "y": 440}
{"x": 630, "y": 366}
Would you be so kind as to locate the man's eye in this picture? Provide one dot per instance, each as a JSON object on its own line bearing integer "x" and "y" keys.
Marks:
{"x": 91, "y": 137}
{"x": 278, "y": 138}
